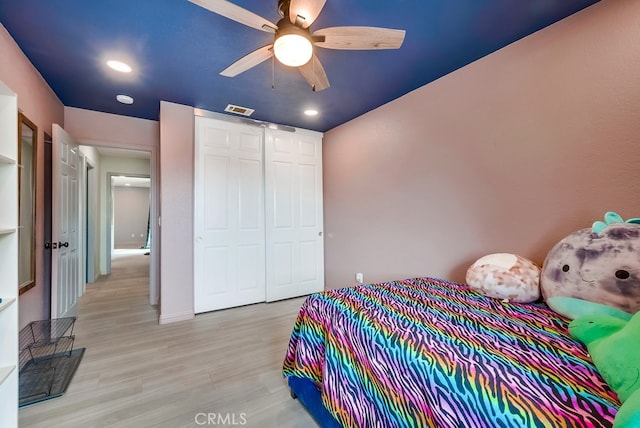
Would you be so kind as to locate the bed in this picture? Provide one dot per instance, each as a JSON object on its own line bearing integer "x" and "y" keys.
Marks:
{"x": 426, "y": 352}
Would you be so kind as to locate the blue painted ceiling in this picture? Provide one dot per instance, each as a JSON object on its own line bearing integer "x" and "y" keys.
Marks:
{"x": 177, "y": 50}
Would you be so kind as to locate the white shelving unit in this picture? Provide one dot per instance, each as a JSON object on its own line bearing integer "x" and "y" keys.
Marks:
{"x": 8, "y": 257}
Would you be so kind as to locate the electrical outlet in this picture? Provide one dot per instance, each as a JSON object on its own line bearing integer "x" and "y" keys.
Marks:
{"x": 360, "y": 278}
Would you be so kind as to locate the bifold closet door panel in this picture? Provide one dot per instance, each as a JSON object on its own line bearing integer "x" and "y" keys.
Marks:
{"x": 294, "y": 223}
{"x": 229, "y": 227}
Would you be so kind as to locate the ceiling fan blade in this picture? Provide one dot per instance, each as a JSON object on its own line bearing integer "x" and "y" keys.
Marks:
{"x": 314, "y": 73}
{"x": 238, "y": 14}
{"x": 248, "y": 61}
{"x": 307, "y": 10}
{"x": 360, "y": 38}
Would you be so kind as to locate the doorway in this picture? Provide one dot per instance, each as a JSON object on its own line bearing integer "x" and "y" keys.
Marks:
{"x": 90, "y": 214}
{"x": 48, "y": 226}
{"x": 105, "y": 164}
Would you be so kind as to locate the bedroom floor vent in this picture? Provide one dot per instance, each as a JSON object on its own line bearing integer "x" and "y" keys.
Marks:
{"x": 244, "y": 111}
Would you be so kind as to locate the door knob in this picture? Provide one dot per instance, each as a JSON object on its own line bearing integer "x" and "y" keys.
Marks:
{"x": 63, "y": 244}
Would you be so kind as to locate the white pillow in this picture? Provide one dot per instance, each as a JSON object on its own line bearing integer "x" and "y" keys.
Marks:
{"x": 505, "y": 276}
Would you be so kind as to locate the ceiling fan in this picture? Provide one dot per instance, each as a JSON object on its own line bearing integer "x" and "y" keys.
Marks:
{"x": 293, "y": 41}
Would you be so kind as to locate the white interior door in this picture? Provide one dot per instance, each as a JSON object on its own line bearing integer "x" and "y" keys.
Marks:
{"x": 294, "y": 222}
{"x": 65, "y": 263}
{"x": 229, "y": 262}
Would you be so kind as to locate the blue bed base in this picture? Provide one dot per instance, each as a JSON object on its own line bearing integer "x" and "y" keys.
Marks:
{"x": 306, "y": 391}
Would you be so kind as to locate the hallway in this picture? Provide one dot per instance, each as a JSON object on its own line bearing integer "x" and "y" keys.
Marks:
{"x": 124, "y": 293}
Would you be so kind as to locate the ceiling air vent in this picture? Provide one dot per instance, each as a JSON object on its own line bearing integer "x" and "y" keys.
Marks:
{"x": 239, "y": 110}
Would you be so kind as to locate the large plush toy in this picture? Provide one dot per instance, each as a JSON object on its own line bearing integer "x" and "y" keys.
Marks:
{"x": 505, "y": 276}
{"x": 614, "y": 346}
{"x": 600, "y": 264}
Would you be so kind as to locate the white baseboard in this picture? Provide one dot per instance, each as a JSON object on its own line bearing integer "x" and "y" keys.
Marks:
{"x": 180, "y": 316}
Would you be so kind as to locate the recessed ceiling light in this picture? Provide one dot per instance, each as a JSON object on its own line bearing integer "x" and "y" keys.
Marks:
{"x": 124, "y": 99}
{"x": 311, "y": 112}
{"x": 119, "y": 66}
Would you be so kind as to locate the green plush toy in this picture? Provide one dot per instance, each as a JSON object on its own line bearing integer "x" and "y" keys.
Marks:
{"x": 614, "y": 345}
{"x": 572, "y": 308}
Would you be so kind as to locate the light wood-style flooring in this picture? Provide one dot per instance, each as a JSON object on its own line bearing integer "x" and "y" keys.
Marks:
{"x": 224, "y": 365}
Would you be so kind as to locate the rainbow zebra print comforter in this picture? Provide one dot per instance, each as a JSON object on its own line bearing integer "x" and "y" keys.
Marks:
{"x": 430, "y": 353}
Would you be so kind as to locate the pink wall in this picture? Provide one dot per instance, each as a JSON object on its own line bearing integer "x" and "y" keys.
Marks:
{"x": 97, "y": 128}
{"x": 176, "y": 196}
{"x": 38, "y": 102}
{"x": 508, "y": 154}
{"x": 35, "y": 98}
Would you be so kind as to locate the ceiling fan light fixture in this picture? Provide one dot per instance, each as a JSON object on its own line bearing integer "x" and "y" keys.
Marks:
{"x": 292, "y": 46}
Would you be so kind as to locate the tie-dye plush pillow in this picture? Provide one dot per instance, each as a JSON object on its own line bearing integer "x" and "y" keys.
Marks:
{"x": 599, "y": 264}
{"x": 505, "y": 276}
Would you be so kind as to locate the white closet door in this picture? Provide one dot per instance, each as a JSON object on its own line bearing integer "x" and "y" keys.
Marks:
{"x": 229, "y": 261}
{"x": 293, "y": 189}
